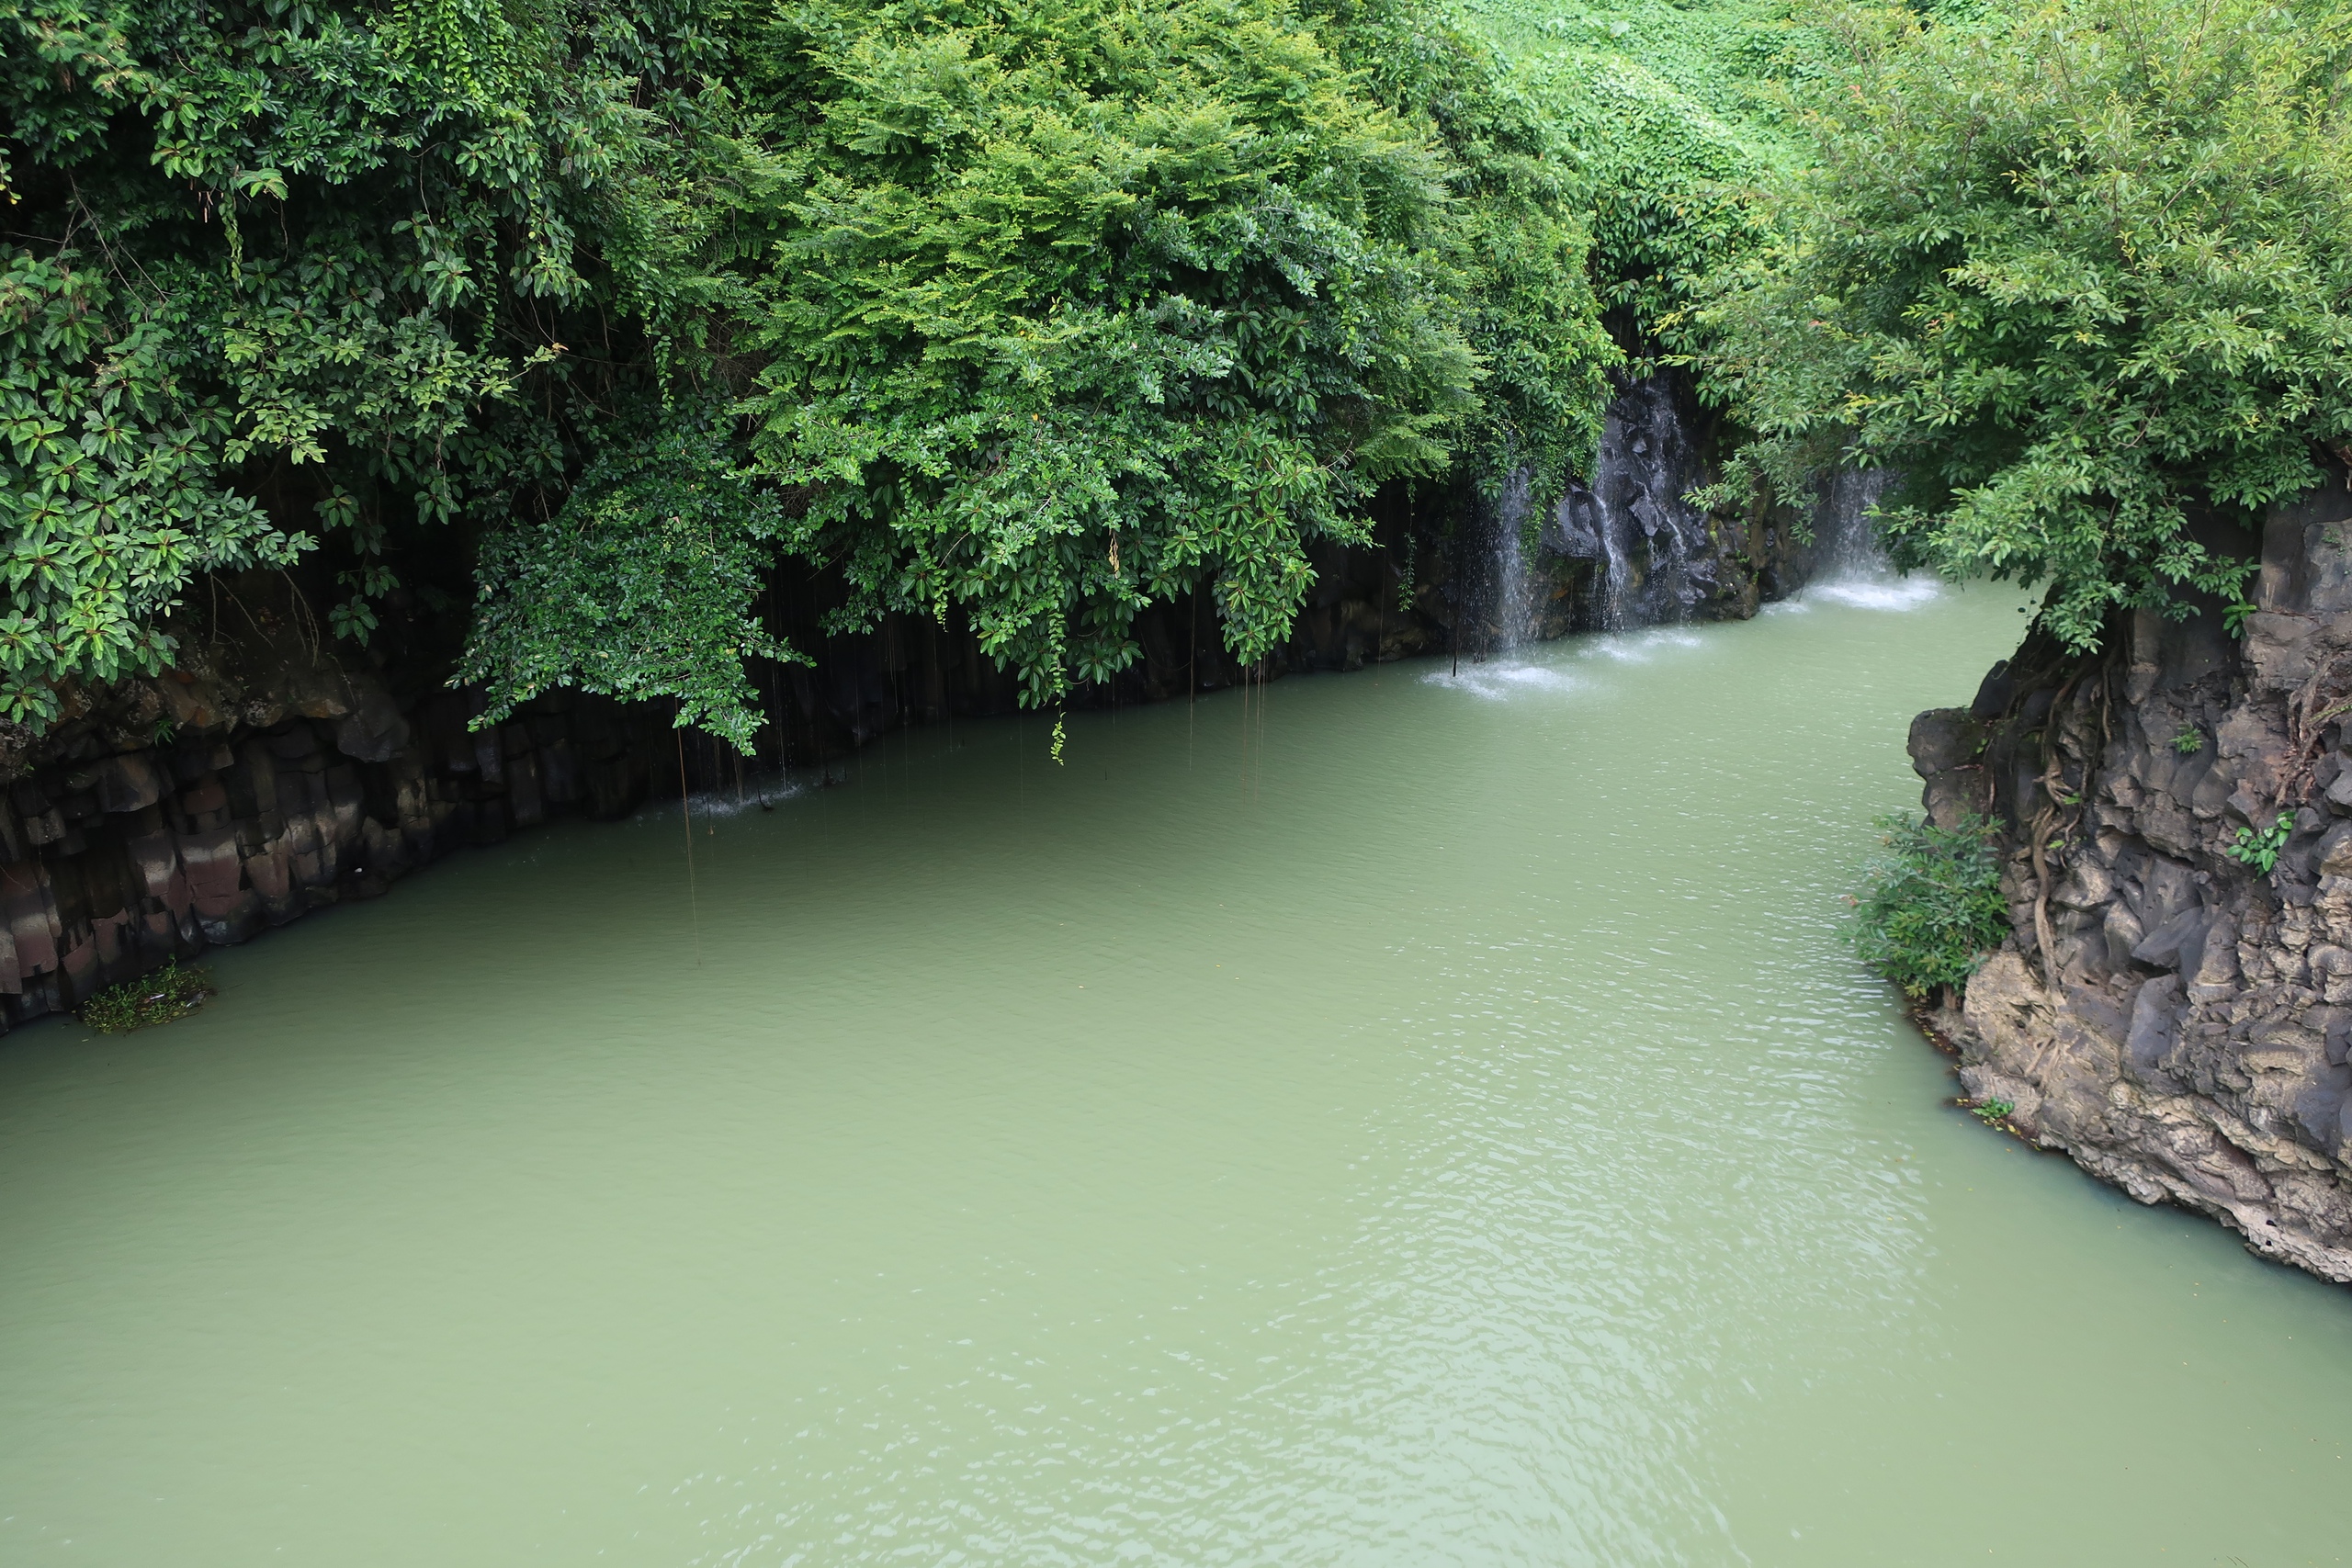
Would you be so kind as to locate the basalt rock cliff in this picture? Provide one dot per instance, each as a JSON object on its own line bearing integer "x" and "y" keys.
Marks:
{"x": 2176, "y": 1019}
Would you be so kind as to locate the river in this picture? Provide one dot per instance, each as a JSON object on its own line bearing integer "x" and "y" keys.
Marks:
{"x": 1394, "y": 1119}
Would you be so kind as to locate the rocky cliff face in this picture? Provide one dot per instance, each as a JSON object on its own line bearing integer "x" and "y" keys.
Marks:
{"x": 1627, "y": 549}
{"x": 199, "y": 809}
{"x": 2176, "y": 1021}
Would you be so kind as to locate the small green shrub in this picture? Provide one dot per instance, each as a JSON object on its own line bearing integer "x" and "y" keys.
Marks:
{"x": 1932, "y": 906}
{"x": 1992, "y": 1111}
{"x": 2189, "y": 741}
{"x": 2259, "y": 847}
{"x": 170, "y": 992}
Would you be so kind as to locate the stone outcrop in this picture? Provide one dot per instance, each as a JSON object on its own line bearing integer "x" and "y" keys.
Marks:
{"x": 198, "y": 809}
{"x": 1625, "y": 547}
{"x": 2175, "y": 1020}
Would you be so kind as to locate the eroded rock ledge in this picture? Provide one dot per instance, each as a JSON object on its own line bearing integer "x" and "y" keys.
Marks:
{"x": 2176, "y": 1022}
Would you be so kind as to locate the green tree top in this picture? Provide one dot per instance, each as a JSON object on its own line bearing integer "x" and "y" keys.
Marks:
{"x": 279, "y": 272}
{"x": 1041, "y": 311}
{"x": 2079, "y": 271}
{"x": 1083, "y": 304}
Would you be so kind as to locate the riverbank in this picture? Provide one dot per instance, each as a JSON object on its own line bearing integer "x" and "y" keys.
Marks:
{"x": 275, "y": 770}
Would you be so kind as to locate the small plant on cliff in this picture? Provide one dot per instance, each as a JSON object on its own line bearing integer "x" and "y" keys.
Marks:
{"x": 1932, "y": 906}
{"x": 170, "y": 992}
{"x": 2188, "y": 742}
{"x": 2259, "y": 847}
{"x": 1991, "y": 1111}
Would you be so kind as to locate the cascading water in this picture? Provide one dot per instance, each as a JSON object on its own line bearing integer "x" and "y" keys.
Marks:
{"x": 1649, "y": 546}
{"x": 1509, "y": 609}
{"x": 1844, "y": 546}
{"x": 1846, "y": 562}
{"x": 1653, "y": 558}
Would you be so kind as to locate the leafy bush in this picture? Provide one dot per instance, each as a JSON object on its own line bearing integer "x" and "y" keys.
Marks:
{"x": 1933, "y": 907}
{"x": 2257, "y": 848}
{"x": 1077, "y": 305}
{"x": 169, "y": 993}
{"x": 641, "y": 586}
{"x": 2079, "y": 270}
{"x": 281, "y": 276}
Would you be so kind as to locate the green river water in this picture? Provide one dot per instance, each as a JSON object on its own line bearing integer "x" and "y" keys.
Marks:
{"x": 1402, "y": 1121}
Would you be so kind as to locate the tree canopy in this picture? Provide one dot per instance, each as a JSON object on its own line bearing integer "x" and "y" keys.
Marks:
{"x": 1037, "y": 312}
{"x": 2080, "y": 271}
{"x": 277, "y": 272}
{"x": 1077, "y": 305}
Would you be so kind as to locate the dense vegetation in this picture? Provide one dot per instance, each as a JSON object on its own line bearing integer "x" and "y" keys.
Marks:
{"x": 2081, "y": 272}
{"x": 1033, "y": 313}
{"x": 1678, "y": 113}
{"x": 1931, "y": 906}
{"x": 276, "y": 274}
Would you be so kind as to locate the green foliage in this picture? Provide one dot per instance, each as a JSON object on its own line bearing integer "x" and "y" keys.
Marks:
{"x": 109, "y": 499}
{"x": 169, "y": 993}
{"x": 1992, "y": 1111}
{"x": 640, "y": 587}
{"x": 2189, "y": 741}
{"x": 2080, "y": 272}
{"x": 1043, "y": 312}
{"x": 2258, "y": 847}
{"x": 1676, "y": 111}
{"x": 282, "y": 274}
{"x": 1932, "y": 904}
{"x": 1081, "y": 305}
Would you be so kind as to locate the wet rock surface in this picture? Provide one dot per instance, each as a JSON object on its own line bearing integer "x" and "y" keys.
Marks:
{"x": 2176, "y": 1021}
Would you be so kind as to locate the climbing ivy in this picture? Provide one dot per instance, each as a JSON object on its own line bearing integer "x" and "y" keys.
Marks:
{"x": 110, "y": 474}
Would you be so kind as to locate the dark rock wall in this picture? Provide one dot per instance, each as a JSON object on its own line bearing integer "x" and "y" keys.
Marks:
{"x": 2176, "y": 1021}
{"x": 252, "y": 813}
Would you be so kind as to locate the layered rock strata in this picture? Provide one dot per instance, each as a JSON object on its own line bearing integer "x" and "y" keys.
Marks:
{"x": 2177, "y": 1018}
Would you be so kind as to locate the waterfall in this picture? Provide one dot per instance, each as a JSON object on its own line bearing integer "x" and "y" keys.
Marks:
{"x": 1844, "y": 547}
{"x": 1653, "y": 558}
{"x": 1509, "y": 610}
{"x": 1846, "y": 563}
